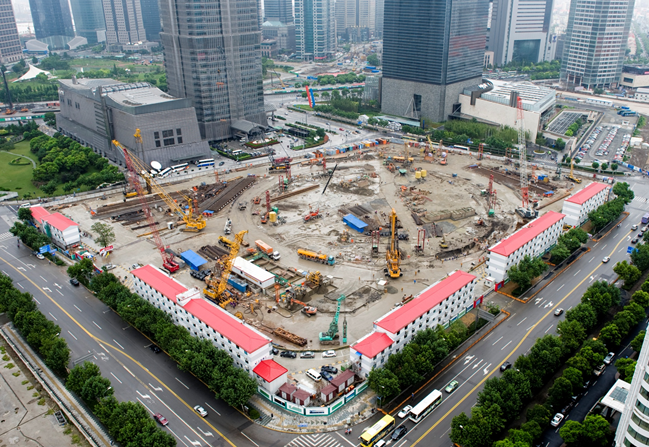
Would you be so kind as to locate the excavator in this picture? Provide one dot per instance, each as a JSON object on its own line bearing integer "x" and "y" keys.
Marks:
{"x": 216, "y": 286}
{"x": 306, "y": 309}
{"x": 393, "y": 254}
{"x": 331, "y": 336}
{"x": 312, "y": 215}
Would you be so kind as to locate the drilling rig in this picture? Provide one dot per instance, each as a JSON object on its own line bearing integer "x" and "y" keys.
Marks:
{"x": 216, "y": 286}
{"x": 393, "y": 254}
{"x": 525, "y": 210}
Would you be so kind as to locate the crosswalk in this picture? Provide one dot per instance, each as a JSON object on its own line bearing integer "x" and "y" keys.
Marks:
{"x": 315, "y": 440}
{"x": 6, "y": 235}
{"x": 638, "y": 199}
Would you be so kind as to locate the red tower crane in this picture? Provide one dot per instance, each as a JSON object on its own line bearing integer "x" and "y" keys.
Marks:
{"x": 168, "y": 261}
{"x": 522, "y": 154}
{"x": 480, "y": 151}
{"x": 490, "y": 191}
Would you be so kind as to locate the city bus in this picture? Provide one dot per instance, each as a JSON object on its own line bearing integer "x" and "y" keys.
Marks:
{"x": 205, "y": 163}
{"x": 423, "y": 408}
{"x": 165, "y": 172}
{"x": 180, "y": 167}
{"x": 645, "y": 218}
{"x": 377, "y": 431}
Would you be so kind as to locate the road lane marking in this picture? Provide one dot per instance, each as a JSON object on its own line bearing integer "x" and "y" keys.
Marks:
{"x": 32, "y": 297}
{"x": 128, "y": 370}
{"x": 57, "y": 285}
{"x": 48, "y": 289}
{"x": 43, "y": 278}
{"x": 181, "y": 382}
{"x": 577, "y": 272}
{"x": 519, "y": 323}
{"x": 174, "y": 433}
{"x": 477, "y": 364}
{"x": 53, "y": 316}
{"x": 212, "y": 408}
{"x": 506, "y": 345}
{"x": 93, "y": 322}
{"x": 604, "y": 247}
{"x": 21, "y": 286}
{"x": 155, "y": 387}
{"x": 591, "y": 259}
{"x": 468, "y": 358}
{"x": 116, "y": 378}
{"x": 511, "y": 353}
{"x": 546, "y": 331}
{"x": 143, "y": 396}
{"x": 496, "y": 341}
{"x": 347, "y": 440}
{"x": 249, "y": 439}
{"x": 181, "y": 419}
{"x": 60, "y": 292}
{"x": 116, "y": 342}
{"x": 560, "y": 287}
{"x": 486, "y": 368}
{"x": 77, "y": 308}
{"x": 528, "y": 329}
{"x": 73, "y": 335}
{"x": 205, "y": 433}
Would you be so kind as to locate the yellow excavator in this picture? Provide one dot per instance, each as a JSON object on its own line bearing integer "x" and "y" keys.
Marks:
{"x": 216, "y": 286}
{"x": 393, "y": 254}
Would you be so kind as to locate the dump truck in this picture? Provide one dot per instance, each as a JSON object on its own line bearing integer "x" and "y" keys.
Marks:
{"x": 263, "y": 246}
{"x": 316, "y": 257}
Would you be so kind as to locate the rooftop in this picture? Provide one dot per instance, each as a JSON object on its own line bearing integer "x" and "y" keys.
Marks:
{"x": 38, "y": 212}
{"x": 59, "y": 221}
{"x": 164, "y": 284}
{"x": 342, "y": 378}
{"x": 301, "y": 394}
{"x": 256, "y": 272}
{"x": 534, "y": 97}
{"x": 509, "y": 245}
{"x": 288, "y": 388}
{"x": 616, "y": 396}
{"x": 588, "y": 192}
{"x": 430, "y": 297}
{"x": 327, "y": 389}
{"x": 373, "y": 344}
{"x": 354, "y": 221}
{"x": 269, "y": 370}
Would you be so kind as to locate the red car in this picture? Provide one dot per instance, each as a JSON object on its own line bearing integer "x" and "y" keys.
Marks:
{"x": 161, "y": 419}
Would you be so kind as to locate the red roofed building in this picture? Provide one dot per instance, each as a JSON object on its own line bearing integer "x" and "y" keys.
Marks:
{"x": 64, "y": 232}
{"x": 439, "y": 304}
{"x": 246, "y": 345}
{"x": 38, "y": 212}
{"x": 577, "y": 206}
{"x": 270, "y": 375}
{"x": 533, "y": 240}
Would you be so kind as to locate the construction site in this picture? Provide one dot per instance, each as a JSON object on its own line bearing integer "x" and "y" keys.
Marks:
{"x": 311, "y": 250}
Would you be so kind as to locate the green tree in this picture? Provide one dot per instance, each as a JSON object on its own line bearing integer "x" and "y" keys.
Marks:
{"x": 57, "y": 355}
{"x": 82, "y": 271}
{"x": 34, "y": 60}
{"x": 584, "y": 314}
{"x": 637, "y": 341}
{"x": 622, "y": 189}
{"x": 601, "y": 296}
{"x": 559, "y": 254}
{"x": 373, "y": 60}
{"x": 572, "y": 335}
{"x": 628, "y": 273}
{"x": 95, "y": 388}
{"x": 640, "y": 256}
{"x": 25, "y": 214}
{"x": 79, "y": 375}
{"x": 50, "y": 119}
{"x": 105, "y": 233}
{"x": 575, "y": 377}
{"x": 626, "y": 368}
{"x": 604, "y": 166}
{"x": 614, "y": 166}
{"x": 526, "y": 270}
{"x": 50, "y": 187}
{"x": 595, "y": 165}
{"x": 480, "y": 430}
{"x": 571, "y": 433}
{"x": 560, "y": 144}
{"x": 611, "y": 336}
{"x": 559, "y": 393}
{"x": 384, "y": 383}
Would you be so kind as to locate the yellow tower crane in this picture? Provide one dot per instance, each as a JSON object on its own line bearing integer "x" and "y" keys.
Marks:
{"x": 393, "y": 254}
{"x": 216, "y": 286}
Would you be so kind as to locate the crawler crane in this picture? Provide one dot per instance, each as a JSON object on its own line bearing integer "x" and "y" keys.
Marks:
{"x": 393, "y": 254}
{"x": 216, "y": 286}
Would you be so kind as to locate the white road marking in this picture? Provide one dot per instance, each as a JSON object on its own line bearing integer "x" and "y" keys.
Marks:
{"x": 118, "y": 343}
{"x": 468, "y": 358}
{"x": 577, "y": 272}
{"x": 96, "y": 324}
{"x": 143, "y": 396}
{"x": 53, "y": 316}
{"x": 181, "y": 382}
{"x": 181, "y": 419}
{"x": 43, "y": 278}
{"x": 172, "y": 432}
{"x": 60, "y": 292}
{"x": 560, "y": 287}
{"x": 604, "y": 247}
{"x": 249, "y": 439}
{"x": 519, "y": 323}
{"x": 21, "y": 268}
{"x": 48, "y": 289}
{"x": 546, "y": 331}
{"x": 486, "y": 369}
{"x": 591, "y": 259}
{"x": 506, "y": 345}
{"x": 496, "y": 341}
{"x": 128, "y": 371}
{"x": 210, "y": 407}
{"x": 155, "y": 387}
{"x": 57, "y": 285}
{"x": 116, "y": 378}
{"x": 528, "y": 329}
{"x": 73, "y": 335}
{"x": 346, "y": 440}
{"x": 77, "y": 308}
{"x": 194, "y": 442}
{"x": 205, "y": 433}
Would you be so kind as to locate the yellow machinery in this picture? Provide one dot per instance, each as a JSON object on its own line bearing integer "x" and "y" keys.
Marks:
{"x": 393, "y": 254}
{"x": 572, "y": 175}
{"x": 216, "y": 287}
{"x": 314, "y": 279}
{"x": 317, "y": 257}
{"x": 432, "y": 146}
{"x": 192, "y": 222}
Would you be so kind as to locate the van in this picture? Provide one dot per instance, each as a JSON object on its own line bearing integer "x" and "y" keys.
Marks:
{"x": 380, "y": 443}
{"x": 313, "y": 374}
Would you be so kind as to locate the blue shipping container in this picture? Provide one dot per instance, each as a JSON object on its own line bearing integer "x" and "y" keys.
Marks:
{"x": 239, "y": 285}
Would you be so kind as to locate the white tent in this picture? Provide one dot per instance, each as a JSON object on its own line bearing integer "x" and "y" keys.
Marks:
{"x": 32, "y": 73}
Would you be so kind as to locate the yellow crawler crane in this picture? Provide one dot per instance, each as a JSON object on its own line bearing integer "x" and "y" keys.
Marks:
{"x": 393, "y": 254}
{"x": 216, "y": 286}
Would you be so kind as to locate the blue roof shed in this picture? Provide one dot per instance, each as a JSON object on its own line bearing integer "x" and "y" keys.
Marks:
{"x": 193, "y": 260}
{"x": 355, "y": 223}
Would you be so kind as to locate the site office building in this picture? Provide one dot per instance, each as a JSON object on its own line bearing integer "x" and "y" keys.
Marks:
{"x": 64, "y": 232}
{"x": 533, "y": 240}
{"x": 439, "y": 304}
{"x": 203, "y": 319}
{"x": 577, "y": 206}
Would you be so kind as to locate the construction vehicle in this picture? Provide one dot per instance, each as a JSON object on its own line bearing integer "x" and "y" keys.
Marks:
{"x": 331, "y": 336}
{"x": 312, "y": 215}
{"x": 571, "y": 176}
{"x": 242, "y": 206}
{"x": 264, "y": 247}
{"x": 443, "y": 243}
{"x": 24, "y": 110}
{"x": 256, "y": 200}
{"x": 314, "y": 279}
{"x": 193, "y": 222}
{"x": 264, "y": 218}
{"x": 316, "y": 257}
{"x": 225, "y": 241}
{"x": 526, "y": 211}
{"x": 306, "y": 309}
{"x": 216, "y": 287}
{"x": 168, "y": 261}
{"x": 442, "y": 161}
{"x": 393, "y": 254}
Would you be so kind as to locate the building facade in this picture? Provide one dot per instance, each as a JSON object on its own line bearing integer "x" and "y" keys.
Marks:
{"x": 633, "y": 428}
{"x": 52, "y": 22}
{"x": 284, "y": 34}
{"x": 634, "y": 76}
{"x": 596, "y": 40}
{"x": 203, "y": 319}
{"x": 151, "y": 19}
{"x": 10, "y": 48}
{"x": 278, "y": 11}
{"x": 642, "y": 94}
{"x": 213, "y": 58}
{"x": 89, "y": 20}
{"x": 432, "y": 50}
{"x": 519, "y": 30}
{"x": 96, "y": 111}
{"x": 533, "y": 240}
{"x": 577, "y": 206}
{"x": 354, "y": 16}
{"x": 315, "y": 29}
{"x": 63, "y": 231}
{"x": 124, "y": 23}
{"x": 439, "y": 304}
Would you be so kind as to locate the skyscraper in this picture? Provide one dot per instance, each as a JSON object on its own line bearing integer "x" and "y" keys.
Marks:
{"x": 278, "y": 11}
{"x": 123, "y": 22}
{"x": 432, "y": 51}
{"x": 52, "y": 22}
{"x": 151, "y": 19}
{"x": 519, "y": 30}
{"x": 315, "y": 29}
{"x": 10, "y": 48}
{"x": 378, "y": 19}
{"x": 355, "y": 14}
{"x": 213, "y": 57}
{"x": 595, "y": 43}
{"x": 89, "y": 19}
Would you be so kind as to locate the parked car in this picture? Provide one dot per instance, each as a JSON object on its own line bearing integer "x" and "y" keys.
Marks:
{"x": 556, "y": 420}
{"x": 288, "y": 354}
{"x": 307, "y": 355}
{"x": 609, "y": 358}
{"x": 599, "y": 370}
{"x": 109, "y": 266}
{"x": 452, "y": 386}
{"x": 274, "y": 351}
{"x": 505, "y": 366}
{"x": 399, "y": 433}
{"x": 405, "y": 411}
{"x": 329, "y": 369}
{"x": 155, "y": 349}
{"x": 634, "y": 240}
{"x": 40, "y": 256}
{"x": 161, "y": 419}
{"x": 200, "y": 410}
{"x": 325, "y": 375}
{"x": 222, "y": 163}
{"x": 74, "y": 282}
{"x": 328, "y": 354}
{"x": 558, "y": 312}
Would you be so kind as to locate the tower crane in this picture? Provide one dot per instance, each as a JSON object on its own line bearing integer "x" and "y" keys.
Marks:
{"x": 216, "y": 286}
{"x": 525, "y": 210}
{"x": 168, "y": 261}
{"x": 192, "y": 222}
{"x": 393, "y": 254}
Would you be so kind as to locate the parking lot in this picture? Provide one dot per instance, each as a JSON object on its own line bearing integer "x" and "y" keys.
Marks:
{"x": 561, "y": 123}
{"x": 609, "y": 141}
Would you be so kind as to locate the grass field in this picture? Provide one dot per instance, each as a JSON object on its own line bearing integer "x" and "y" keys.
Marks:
{"x": 18, "y": 178}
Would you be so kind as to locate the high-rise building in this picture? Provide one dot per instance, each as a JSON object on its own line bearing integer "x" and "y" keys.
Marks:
{"x": 633, "y": 428}
{"x": 124, "y": 23}
{"x": 213, "y": 57}
{"x": 89, "y": 20}
{"x": 315, "y": 29}
{"x": 278, "y": 11}
{"x": 596, "y": 39}
{"x": 151, "y": 19}
{"x": 432, "y": 51}
{"x": 10, "y": 48}
{"x": 52, "y": 22}
{"x": 355, "y": 15}
{"x": 378, "y": 19}
{"x": 519, "y": 30}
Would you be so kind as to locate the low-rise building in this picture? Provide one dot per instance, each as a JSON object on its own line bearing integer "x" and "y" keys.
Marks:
{"x": 63, "y": 231}
{"x": 577, "y": 206}
{"x": 203, "y": 319}
{"x": 439, "y": 304}
{"x": 642, "y": 94}
{"x": 270, "y": 375}
{"x": 634, "y": 76}
{"x": 533, "y": 240}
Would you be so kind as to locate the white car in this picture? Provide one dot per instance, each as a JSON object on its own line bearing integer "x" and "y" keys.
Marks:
{"x": 405, "y": 411}
{"x": 200, "y": 410}
{"x": 606, "y": 259}
{"x": 556, "y": 420}
{"x": 40, "y": 256}
{"x": 328, "y": 354}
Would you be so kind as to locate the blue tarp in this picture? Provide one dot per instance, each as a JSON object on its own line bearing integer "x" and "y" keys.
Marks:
{"x": 193, "y": 260}
{"x": 355, "y": 223}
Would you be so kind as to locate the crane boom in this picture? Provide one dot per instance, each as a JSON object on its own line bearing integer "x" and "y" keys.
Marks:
{"x": 216, "y": 287}
{"x": 522, "y": 153}
{"x": 393, "y": 254}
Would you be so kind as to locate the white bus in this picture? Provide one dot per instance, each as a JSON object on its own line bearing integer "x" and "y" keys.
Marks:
{"x": 165, "y": 172}
{"x": 423, "y": 408}
{"x": 153, "y": 172}
{"x": 205, "y": 163}
{"x": 180, "y": 167}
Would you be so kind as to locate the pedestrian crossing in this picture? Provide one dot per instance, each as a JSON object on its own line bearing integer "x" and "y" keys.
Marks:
{"x": 638, "y": 199}
{"x": 6, "y": 235}
{"x": 315, "y": 440}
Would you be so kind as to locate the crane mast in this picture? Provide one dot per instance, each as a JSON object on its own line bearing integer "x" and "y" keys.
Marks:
{"x": 522, "y": 153}
{"x": 393, "y": 255}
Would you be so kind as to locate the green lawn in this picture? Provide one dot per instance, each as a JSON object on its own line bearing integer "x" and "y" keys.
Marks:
{"x": 18, "y": 178}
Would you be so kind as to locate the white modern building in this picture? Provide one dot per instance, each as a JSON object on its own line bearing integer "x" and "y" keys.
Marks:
{"x": 577, "y": 206}
{"x": 633, "y": 429}
{"x": 203, "y": 319}
{"x": 642, "y": 94}
{"x": 439, "y": 304}
{"x": 533, "y": 240}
